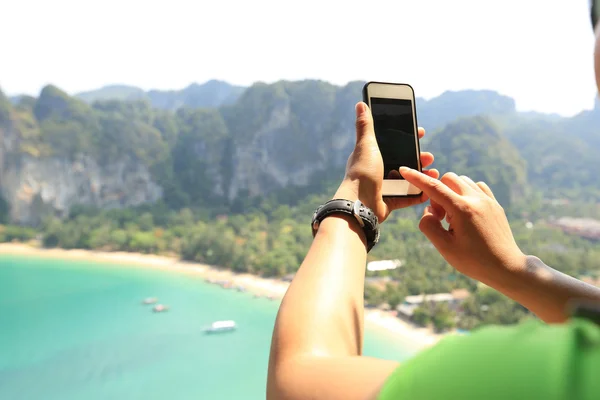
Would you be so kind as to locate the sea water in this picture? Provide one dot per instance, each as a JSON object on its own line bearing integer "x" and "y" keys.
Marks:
{"x": 79, "y": 330}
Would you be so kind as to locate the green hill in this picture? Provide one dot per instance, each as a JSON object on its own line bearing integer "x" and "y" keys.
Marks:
{"x": 112, "y": 92}
{"x": 210, "y": 94}
{"x": 475, "y": 147}
{"x": 282, "y": 141}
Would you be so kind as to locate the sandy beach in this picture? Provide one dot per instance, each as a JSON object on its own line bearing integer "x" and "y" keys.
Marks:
{"x": 414, "y": 337}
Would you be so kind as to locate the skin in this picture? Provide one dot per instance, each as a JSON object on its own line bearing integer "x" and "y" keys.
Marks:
{"x": 316, "y": 350}
{"x": 480, "y": 244}
{"x": 317, "y": 341}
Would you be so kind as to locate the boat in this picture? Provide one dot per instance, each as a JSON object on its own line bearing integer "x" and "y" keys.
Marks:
{"x": 150, "y": 300}
{"x": 160, "y": 308}
{"x": 221, "y": 326}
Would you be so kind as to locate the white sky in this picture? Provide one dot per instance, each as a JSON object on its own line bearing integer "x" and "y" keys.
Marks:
{"x": 539, "y": 52}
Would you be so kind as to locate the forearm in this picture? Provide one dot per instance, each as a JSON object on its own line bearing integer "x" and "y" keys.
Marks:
{"x": 322, "y": 311}
{"x": 321, "y": 315}
{"x": 545, "y": 291}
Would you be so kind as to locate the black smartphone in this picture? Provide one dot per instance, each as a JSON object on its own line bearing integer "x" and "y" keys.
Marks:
{"x": 395, "y": 119}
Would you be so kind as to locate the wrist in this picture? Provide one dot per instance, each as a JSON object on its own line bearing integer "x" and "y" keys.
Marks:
{"x": 356, "y": 216}
{"x": 338, "y": 224}
{"x": 348, "y": 190}
{"x": 512, "y": 276}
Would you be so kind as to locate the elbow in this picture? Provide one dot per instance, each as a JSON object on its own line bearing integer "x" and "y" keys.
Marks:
{"x": 278, "y": 382}
{"x": 286, "y": 365}
{"x": 274, "y": 391}
{"x": 276, "y": 372}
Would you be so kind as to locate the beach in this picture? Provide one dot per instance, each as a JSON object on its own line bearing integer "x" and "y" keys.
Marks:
{"x": 416, "y": 338}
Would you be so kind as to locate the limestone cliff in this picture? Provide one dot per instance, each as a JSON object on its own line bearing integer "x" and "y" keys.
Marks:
{"x": 286, "y": 138}
{"x": 304, "y": 131}
{"x": 34, "y": 187}
{"x": 37, "y": 184}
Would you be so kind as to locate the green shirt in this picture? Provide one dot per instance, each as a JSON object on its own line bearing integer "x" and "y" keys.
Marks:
{"x": 527, "y": 361}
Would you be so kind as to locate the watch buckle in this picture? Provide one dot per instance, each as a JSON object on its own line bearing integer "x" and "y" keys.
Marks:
{"x": 355, "y": 211}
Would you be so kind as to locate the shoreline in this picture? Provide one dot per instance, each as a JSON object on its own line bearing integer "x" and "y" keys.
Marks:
{"x": 414, "y": 337}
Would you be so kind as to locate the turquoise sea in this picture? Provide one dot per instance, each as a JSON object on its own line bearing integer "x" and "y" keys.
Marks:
{"x": 78, "y": 330}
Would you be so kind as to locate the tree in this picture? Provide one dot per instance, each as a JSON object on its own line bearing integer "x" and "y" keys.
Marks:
{"x": 4, "y": 210}
{"x": 421, "y": 316}
{"x": 442, "y": 317}
{"x": 393, "y": 296}
{"x": 373, "y": 295}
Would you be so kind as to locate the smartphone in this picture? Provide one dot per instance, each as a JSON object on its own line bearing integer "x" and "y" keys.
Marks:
{"x": 395, "y": 119}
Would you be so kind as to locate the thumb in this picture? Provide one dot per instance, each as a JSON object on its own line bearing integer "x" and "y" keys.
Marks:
{"x": 432, "y": 228}
{"x": 364, "y": 122}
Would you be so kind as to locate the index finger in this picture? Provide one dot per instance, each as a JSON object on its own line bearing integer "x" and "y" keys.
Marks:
{"x": 434, "y": 188}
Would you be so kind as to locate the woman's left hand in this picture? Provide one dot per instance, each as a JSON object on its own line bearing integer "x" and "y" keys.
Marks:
{"x": 364, "y": 171}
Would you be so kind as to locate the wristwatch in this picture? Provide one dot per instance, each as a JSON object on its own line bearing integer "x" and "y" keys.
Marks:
{"x": 364, "y": 215}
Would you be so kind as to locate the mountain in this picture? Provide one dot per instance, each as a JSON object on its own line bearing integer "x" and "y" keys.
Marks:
{"x": 561, "y": 152}
{"x": 433, "y": 113}
{"x": 437, "y": 112}
{"x": 58, "y": 151}
{"x": 208, "y": 95}
{"x": 211, "y": 94}
{"x": 280, "y": 141}
{"x": 112, "y": 92}
{"x": 475, "y": 147}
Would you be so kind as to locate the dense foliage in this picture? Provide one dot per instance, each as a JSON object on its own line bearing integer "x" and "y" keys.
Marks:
{"x": 272, "y": 240}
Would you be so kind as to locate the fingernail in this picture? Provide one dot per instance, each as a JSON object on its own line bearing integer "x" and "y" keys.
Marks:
{"x": 360, "y": 109}
{"x": 404, "y": 169}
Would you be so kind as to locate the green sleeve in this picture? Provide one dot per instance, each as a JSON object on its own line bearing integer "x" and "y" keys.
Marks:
{"x": 527, "y": 361}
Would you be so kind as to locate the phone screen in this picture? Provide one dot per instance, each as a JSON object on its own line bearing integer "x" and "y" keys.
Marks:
{"x": 395, "y": 132}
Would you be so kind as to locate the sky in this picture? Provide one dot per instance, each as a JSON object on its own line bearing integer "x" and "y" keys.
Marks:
{"x": 538, "y": 52}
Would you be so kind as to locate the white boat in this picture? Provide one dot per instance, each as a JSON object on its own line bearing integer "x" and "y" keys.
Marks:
{"x": 221, "y": 326}
{"x": 160, "y": 308}
{"x": 150, "y": 300}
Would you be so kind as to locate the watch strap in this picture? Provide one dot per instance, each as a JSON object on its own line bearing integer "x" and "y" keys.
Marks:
{"x": 365, "y": 217}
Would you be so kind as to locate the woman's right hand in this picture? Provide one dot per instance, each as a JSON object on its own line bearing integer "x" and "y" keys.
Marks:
{"x": 479, "y": 242}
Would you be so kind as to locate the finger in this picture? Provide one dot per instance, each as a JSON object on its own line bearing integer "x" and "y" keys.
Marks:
{"x": 432, "y": 187}
{"x": 426, "y": 159}
{"x": 364, "y": 122}
{"x": 432, "y": 228}
{"x": 434, "y": 173}
{"x": 455, "y": 183}
{"x": 395, "y": 203}
{"x": 437, "y": 210}
{"x": 421, "y": 132}
{"x": 486, "y": 189}
{"x": 471, "y": 184}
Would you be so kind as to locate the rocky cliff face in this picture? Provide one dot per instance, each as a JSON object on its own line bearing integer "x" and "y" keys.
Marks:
{"x": 36, "y": 186}
{"x": 305, "y": 132}
{"x": 57, "y": 151}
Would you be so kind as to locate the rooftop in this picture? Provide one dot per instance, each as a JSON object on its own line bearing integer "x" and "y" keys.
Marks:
{"x": 436, "y": 298}
{"x": 383, "y": 265}
{"x": 457, "y": 294}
